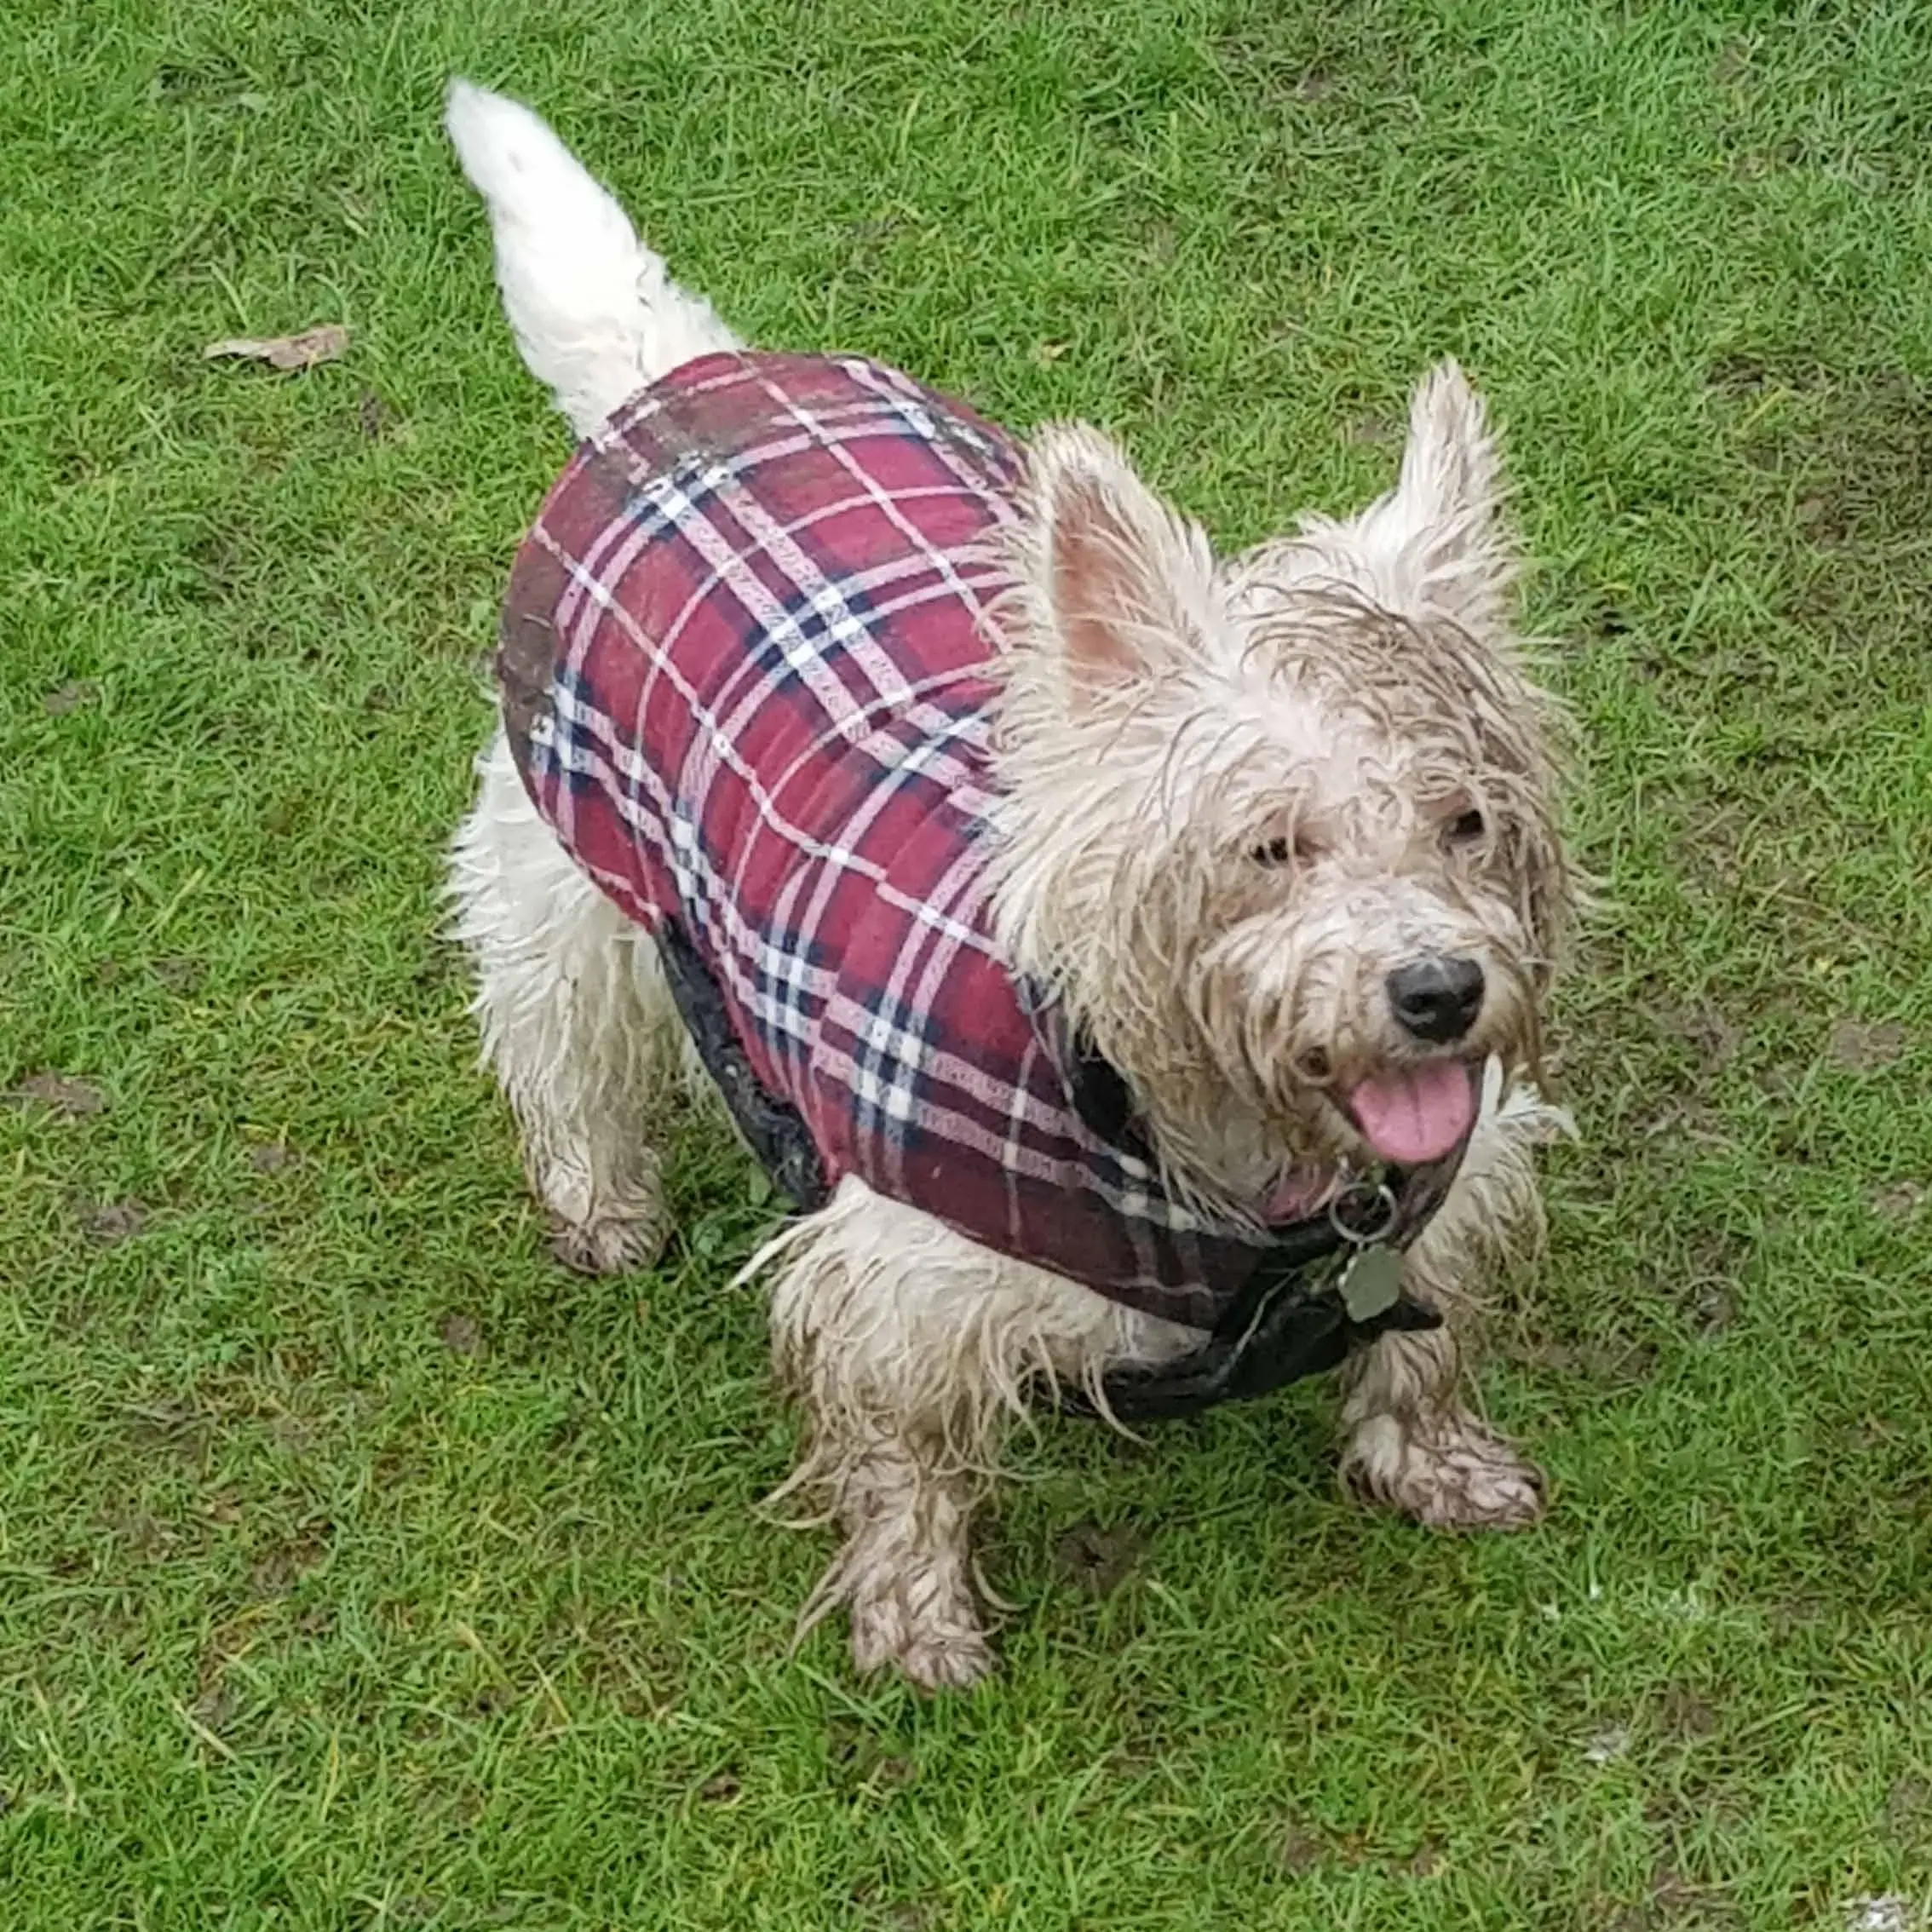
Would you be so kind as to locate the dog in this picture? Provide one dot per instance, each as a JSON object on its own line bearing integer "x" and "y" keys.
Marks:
{"x": 1132, "y": 961}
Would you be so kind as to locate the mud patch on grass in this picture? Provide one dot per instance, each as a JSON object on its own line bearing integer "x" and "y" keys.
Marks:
{"x": 1862, "y": 1046}
{"x": 181, "y": 976}
{"x": 206, "y": 78}
{"x": 1299, "y": 1851}
{"x": 880, "y": 1908}
{"x": 1687, "y": 1717}
{"x": 1679, "y": 1900}
{"x": 1871, "y": 460}
{"x": 1908, "y": 1811}
{"x": 1099, "y": 1561}
{"x": 285, "y": 1563}
{"x": 861, "y": 1761}
{"x": 1322, "y": 62}
{"x": 73, "y": 696}
{"x": 110, "y": 1222}
{"x": 61, "y": 1093}
{"x": 222, "y": 563}
{"x": 628, "y": 1661}
{"x": 1732, "y": 64}
{"x": 1714, "y": 1259}
{"x": 1713, "y": 1308}
{"x": 1705, "y": 1028}
{"x": 145, "y": 1535}
{"x": 173, "y": 1429}
{"x": 462, "y": 1335}
{"x": 1615, "y": 1362}
{"x": 1847, "y": 461}
{"x": 215, "y": 1707}
{"x": 1899, "y": 1201}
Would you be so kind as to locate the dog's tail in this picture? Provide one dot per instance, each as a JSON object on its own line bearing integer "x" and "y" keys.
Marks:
{"x": 594, "y": 312}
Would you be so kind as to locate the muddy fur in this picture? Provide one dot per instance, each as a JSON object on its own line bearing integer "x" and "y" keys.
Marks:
{"x": 1236, "y": 795}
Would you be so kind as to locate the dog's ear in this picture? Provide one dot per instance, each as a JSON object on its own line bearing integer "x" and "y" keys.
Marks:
{"x": 1117, "y": 583}
{"x": 1434, "y": 547}
{"x": 1449, "y": 502}
{"x": 1452, "y": 495}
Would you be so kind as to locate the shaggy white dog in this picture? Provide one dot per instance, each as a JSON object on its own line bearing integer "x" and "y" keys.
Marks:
{"x": 1270, "y": 838}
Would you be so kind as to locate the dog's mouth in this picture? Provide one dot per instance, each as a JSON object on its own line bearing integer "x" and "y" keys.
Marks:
{"x": 1409, "y": 1116}
{"x": 1412, "y": 1114}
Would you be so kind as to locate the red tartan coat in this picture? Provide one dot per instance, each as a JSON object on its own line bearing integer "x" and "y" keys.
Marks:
{"x": 743, "y": 669}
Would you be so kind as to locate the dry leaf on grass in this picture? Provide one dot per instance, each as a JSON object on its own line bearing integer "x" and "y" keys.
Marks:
{"x": 304, "y": 351}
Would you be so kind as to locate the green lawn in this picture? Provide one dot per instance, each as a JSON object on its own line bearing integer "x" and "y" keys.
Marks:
{"x": 359, "y": 1568}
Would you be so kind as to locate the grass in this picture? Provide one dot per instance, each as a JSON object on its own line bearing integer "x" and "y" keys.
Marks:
{"x": 358, "y": 1569}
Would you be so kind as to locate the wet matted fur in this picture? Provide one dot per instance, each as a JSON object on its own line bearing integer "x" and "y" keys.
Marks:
{"x": 1237, "y": 801}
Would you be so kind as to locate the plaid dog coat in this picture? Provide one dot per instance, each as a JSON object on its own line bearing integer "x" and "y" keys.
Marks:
{"x": 744, "y": 669}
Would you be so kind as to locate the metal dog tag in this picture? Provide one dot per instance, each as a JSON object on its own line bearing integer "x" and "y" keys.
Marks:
{"x": 1372, "y": 1283}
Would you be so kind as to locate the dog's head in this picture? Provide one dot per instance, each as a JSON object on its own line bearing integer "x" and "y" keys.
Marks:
{"x": 1279, "y": 830}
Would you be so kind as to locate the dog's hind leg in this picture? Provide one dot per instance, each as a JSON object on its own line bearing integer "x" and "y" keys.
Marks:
{"x": 1411, "y": 1438}
{"x": 576, "y": 1021}
{"x": 593, "y": 309}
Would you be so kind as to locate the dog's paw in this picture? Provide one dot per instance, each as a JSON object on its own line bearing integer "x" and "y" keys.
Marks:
{"x": 600, "y": 1226}
{"x": 610, "y": 1243}
{"x": 1456, "y": 1473}
{"x": 941, "y": 1647}
{"x": 956, "y": 1661}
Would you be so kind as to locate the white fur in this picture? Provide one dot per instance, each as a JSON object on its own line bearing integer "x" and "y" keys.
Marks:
{"x": 1341, "y": 697}
{"x": 1432, "y": 547}
{"x": 594, "y": 312}
{"x": 576, "y": 1021}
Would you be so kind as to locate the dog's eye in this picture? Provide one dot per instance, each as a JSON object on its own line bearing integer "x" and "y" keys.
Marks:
{"x": 1465, "y": 828}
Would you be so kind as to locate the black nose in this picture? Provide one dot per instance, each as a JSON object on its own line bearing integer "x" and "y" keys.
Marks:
{"x": 1436, "y": 998}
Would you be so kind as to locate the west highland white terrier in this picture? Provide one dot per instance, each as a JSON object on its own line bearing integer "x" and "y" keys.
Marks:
{"x": 1128, "y": 960}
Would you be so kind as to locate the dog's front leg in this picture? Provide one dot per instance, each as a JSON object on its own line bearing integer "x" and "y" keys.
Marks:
{"x": 907, "y": 1567}
{"x": 1410, "y": 1439}
{"x": 887, "y": 1327}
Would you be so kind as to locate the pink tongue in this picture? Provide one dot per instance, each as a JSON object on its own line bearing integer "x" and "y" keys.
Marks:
{"x": 1415, "y": 1116}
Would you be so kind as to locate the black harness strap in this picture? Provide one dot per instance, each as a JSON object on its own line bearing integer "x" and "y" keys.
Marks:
{"x": 773, "y": 1129}
{"x": 1289, "y": 1320}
